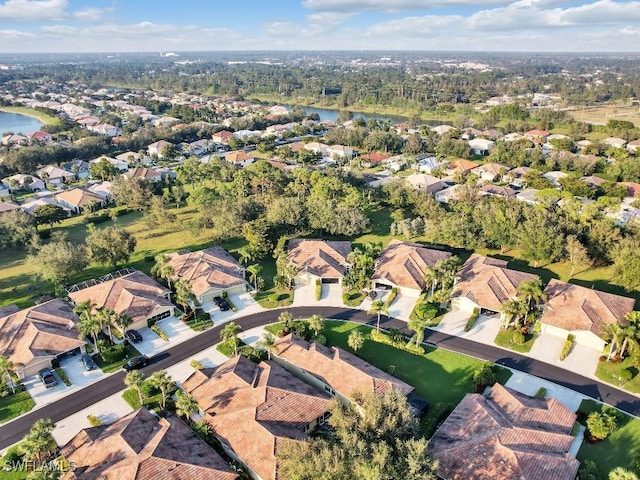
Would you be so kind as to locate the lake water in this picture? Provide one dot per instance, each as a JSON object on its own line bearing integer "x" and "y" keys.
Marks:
{"x": 18, "y": 123}
{"x": 331, "y": 115}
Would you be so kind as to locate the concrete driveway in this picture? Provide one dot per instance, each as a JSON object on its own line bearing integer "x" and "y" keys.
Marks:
{"x": 244, "y": 302}
{"x": 582, "y": 360}
{"x": 305, "y": 295}
{"x": 402, "y": 306}
{"x": 484, "y": 330}
{"x": 176, "y": 330}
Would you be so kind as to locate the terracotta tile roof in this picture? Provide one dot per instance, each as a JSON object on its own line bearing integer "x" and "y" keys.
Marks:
{"x": 506, "y": 436}
{"x": 237, "y": 157}
{"x": 135, "y": 294}
{"x": 463, "y": 166}
{"x": 79, "y": 197}
{"x": 573, "y": 307}
{"x": 344, "y": 372}
{"x": 633, "y": 189}
{"x": 206, "y": 269}
{"x": 374, "y": 157}
{"x": 253, "y": 408}
{"x": 492, "y": 168}
{"x": 44, "y": 330}
{"x": 8, "y": 207}
{"x": 325, "y": 259}
{"x": 537, "y": 133}
{"x": 405, "y": 263}
{"x": 141, "y": 172}
{"x": 140, "y": 447}
{"x": 488, "y": 282}
{"x": 498, "y": 190}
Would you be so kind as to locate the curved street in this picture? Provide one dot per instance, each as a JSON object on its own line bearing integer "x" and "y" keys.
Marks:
{"x": 14, "y": 431}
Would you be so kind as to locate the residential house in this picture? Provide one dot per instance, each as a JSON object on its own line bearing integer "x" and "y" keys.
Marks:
{"x": 20, "y": 181}
{"x": 481, "y": 146}
{"x": 30, "y": 205}
{"x": 334, "y": 370}
{"x": 157, "y": 148}
{"x": 6, "y": 207}
{"x": 319, "y": 259}
{"x": 132, "y": 157}
{"x": 141, "y": 446}
{"x": 240, "y": 158}
{"x": 593, "y": 182}
{"x": 583, "y": 144}
{"x": 134, "y": 294}
{"x": 79, "y": 168}
{"x": 340, "y": 151}
{"x": 498, "y": 191}
{"x": 278, "y": 110}
{"x": 624, "y": 215}
{"x": 470, "y": 133}
{"x": 512, "y": 137}
{"x": 633, "y": 147}
{"x": 554, "y": 177}
{"x": 396, "y": 163}
{"x": 485, "y": 283}
{"x": 372, "y": 159}
{"x": 536, "y": 136}
{"x": 614, "y": 142}
{"x": 55, "y": 175}
{"x": 517, "y": 176}
{"x": 528, "y": 196}
{"x": 209, "y": 272}
{"x": 255, "y": 408}
{"x": 14, "y": 140}
{"x": 121, "y": 165}
{"x": 102, "y": 189}
{"x": 143, "y": 173}
{"x": 492, "y": 134}
{"x": 442, "y": 129}
{"x": 40, "y": 137}
{"x": 456, "y": 192}
{"x": 199, "y": 147}
{"x": 33, "y": 337}
{"x": 582, "y": 311}
{"x": 425, "y": 183}
{"x": 78, "y": 198}
{"x": 105, "y": 129}
{"x": 461, "y": 166}
{"x": 316, "y": 147}
{"x": 427, "y": 164}
{"x": 505, "y": 435}
{"x": 491, "y": 172}
{"x": 222, "y": 137}
{"x": 404, "y": 265}
{"x": 4, "y": 191}
{"x": 633, "y": 189}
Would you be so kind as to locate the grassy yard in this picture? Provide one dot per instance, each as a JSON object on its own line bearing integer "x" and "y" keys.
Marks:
{"x": 353, "y": 298}
{"x": 43, "y": 117}
{"x": 15, "y": 405}
{"x": 621, "y": 449}
{"x": 131, "y": 352}
{"x": 602, "y": 114}
{"x": 504, "y": 339}
{"x": 610, "y": 371}
{"x": 130, "y": 395}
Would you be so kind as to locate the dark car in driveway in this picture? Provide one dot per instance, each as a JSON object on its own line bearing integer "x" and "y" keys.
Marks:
{"x": 221, "y": 303}
{"x": 136, "y": 362}
{"x": 47, "y": 377}
{"x": 133, "y": 336}
{"x": 88, "y": 362}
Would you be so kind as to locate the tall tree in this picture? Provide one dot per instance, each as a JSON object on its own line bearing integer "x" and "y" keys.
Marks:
{"x": 355, "y": 340}
{"x": 59, "y": 259}
{"x": 184, "y": 294}
{"x": 162, "y": 269}
{"x": 49, "y": 214}
{"x": 268, "y": 343}
{"x": 6, "y": 369}
{"x": 186, "y": 405}
{"x": 229, "y": 335}
{"x": 254, "y": 270}
{"x": 38, "y": 443}
{"x": 162, "y": 381}
{"x": 110, "y": 245}
{"x": 378, "y": 307}
{"x": 316, "y": 323}
{"x": 576, "y": 254}
{"x": 135, "y": 379}
{"x": 417, "y": 325}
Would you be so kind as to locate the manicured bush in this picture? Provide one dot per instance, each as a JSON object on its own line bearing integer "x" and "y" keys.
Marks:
{"x": 517, "y": 338}
{"x": 149, "y": 390}
{"x": 392, "y": 296}
{"x": 63, "y": 376}
{"x": 568, "y": 345}
{"x": 94, "y": 421}
{"x": 160, "y": 332}
{"x": 196, "y": 364}
{"x": 472, "y": 320}
{"x": 541, "y": 393}
{"x": 318, "y": 289}
{"x": 114, "y": 353}
{"x": 225, "y": 295}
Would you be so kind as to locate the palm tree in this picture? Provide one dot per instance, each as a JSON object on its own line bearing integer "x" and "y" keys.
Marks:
{"x": 254, "y": 270}
{"x": 268, "y": 343}
{"x": 186, "y": 405}
{"x": 378, "y": 307}
{"x": 513, "y": 310}
{"x": 630, "y": 333}
{"x": 417, "y": 325}
{"x": 135, "y": 379}
{"x": 533, "y": 293}
{"x": 122, "y": 321}
{"x": 245, "y": 254}
{"x": 38, "y": 442}
{"x": 162, "y": 381}
{"x": 6, "y": 367}
{"x": 621, "y": 473}
{"x": 355, "y": 340}
{"x": 104, "y": 316}
{"x": 287, "y": 320}
{"x": 184, "y": 294}
{"x": 162, "y": 269}
{"x": 230, "y": 333}
{"x": 89, "y": 326}
{"x": 316, "y": 323}
{"x": 613, "y": 333}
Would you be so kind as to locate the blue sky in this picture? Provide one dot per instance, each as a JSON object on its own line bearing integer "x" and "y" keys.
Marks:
{"x": 170, "y": 25}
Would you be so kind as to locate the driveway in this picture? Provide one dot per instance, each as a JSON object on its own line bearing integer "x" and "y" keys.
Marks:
{"x": 244, "y": 302}
{"x": 305, "y": 295}
{"x": 176, "y": 330}
{"x": 529, "y": 385}
{"x": 582, "y": 359}
{"x": 402, "y": 306}
{"x": 484, "y": 330}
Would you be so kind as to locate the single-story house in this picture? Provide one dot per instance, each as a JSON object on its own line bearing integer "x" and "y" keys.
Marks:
{"x": 54, "y": 175}
{"x": 634, "y": 146}
{"x": 133, "y": 294}
{"x": 79, "y": 168}
{"x": 222, "y": 137}
{"x": 199, "y": 147}
{"x": 536, "y": 135}
{"x": 528, "y": 196}
{"x": 614, "y": 142}
{"x": 141, "y": 446}
{"x": 210, "y": 272}
{"x": 102, "y": 189}
{"x": 14, "y": 140}
{"x": 40, "y": 137}
{"x": 121, "y": 165}
{"x": 23, "y": 182}
{"x": 555, "y": 176}
{"x": 156, "y": 148}
{"x": 404, "y": 265}
{"x": 77, "y": 198}
{"x": 319, "y": 259}
{"x": 425, "y": 182}
{"x": 491, "y": 171}
{"x": 255, "y": 408}
{"x": 30, "y": 206}
{"x": 372, "y": 159}
{"x": 517, "y": 176}
{"x": 240, "y": 158}
{"x": 512, "y": 137}
{"x": 481, "y": 146}
{"x": 455, "y": 192}
{"x": 143, "y": 173}
{"x": 592, "y": 181}
{"x": 442, "y": 129}
{"x": 505, "y": 435}
{"x": 429, "y": 164}
{"x": 461, "y": 166}
{"x": 498, "y": 191}
{"x": 582, "y": 311}
{"x": 340, "y": 151}
{"x": 33, "y": 337}
{"x": 105, "y": 129}
{"x": 485, "y": 283}
{"x": 8, "y": 206}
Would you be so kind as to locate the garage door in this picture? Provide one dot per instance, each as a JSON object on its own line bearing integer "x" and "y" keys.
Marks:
{"x": 330, "y": 280}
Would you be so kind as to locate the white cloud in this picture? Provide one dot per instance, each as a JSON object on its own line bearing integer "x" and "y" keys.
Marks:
{"x": 282, "y": 29}
{"x": 327, "y": 21}
{"x": 88, "y": 14}
{"x": 33, "y": 9}
{"x": 409, "y": 26}
{"x": 15, "y": 35}
{"x": 356, "y": 6}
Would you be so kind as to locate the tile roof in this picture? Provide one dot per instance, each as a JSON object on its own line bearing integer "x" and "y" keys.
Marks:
{"x": 405, "y": 263}
{"x": 344, "y": 372}
{"x": 141, "y": 447}
{"x": 206, "y": 269}
{"x": 141, "y": 172}
{"x": 79, "y": 197}
{"x": 135, "y": 294}
{"x": 506, "y": 436}
{"x": 573, "y": 307}
{"x": 253, "y": 408}
{"x": 44, "y": 330}
{"x": 463, "y": 166}
{"x": 488, "y": 282}
{"x": 319, "y": 257}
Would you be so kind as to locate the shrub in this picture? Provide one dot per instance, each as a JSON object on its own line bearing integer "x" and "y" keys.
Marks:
{"x": 472, "y": 320}
{"x": 321, "y": 339}
{"x": 63, "y": 376}
{"x": 274, "y": 297}
{"x": 541, "y": 393}
{"x": 113, "y": 354}
{"x": 602, "y": 424}
{"x": 196, "y": 364}
{"x": 484, "y": 375}
{"x": 94, "y": 421}
{"x": 318, "y": 289}
{"x": 517, "y": 338}
{"x": 392, "y": 296}
{"x": 13, "y": 456}
{"x": 149, "y": 390}
{"x": 568, "y": 345}
{"x": 225, "y": 295}
{"x": 160, "y": 332}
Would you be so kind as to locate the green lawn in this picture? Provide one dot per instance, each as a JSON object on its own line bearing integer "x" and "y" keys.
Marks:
{"x": 621, "y": 449}
{"x": 503, "y": 339}
{"x": 609, "y": 371}
{"x": 131, "y": 352}
{"x": 353, "y": 298}
{"x": 14, "y": 405}
{"x": 43, "y": 117}
{"x": 13, "y": 475}
{"x": 274, "y": 298}
{"x": 130, "y": 395}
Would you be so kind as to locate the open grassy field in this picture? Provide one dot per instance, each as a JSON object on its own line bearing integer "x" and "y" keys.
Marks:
{"x": 43, "y": 117}
{"x": 600, "y": 115}
{"x": 621, "y": 449}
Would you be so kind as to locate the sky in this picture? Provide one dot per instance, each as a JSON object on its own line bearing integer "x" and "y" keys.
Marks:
{"x": 44, "y": 26}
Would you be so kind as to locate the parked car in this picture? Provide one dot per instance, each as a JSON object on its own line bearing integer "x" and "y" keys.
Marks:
{"x": 221, "y": 303}
{"x": 88, "y": 362}
{"x": 136, "y": 362}
{"x": 47, "y": 377}
{"x": 133, "y": 336}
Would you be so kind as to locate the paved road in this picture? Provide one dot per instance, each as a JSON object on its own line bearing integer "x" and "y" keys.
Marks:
{"x": 15, "y": 430}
